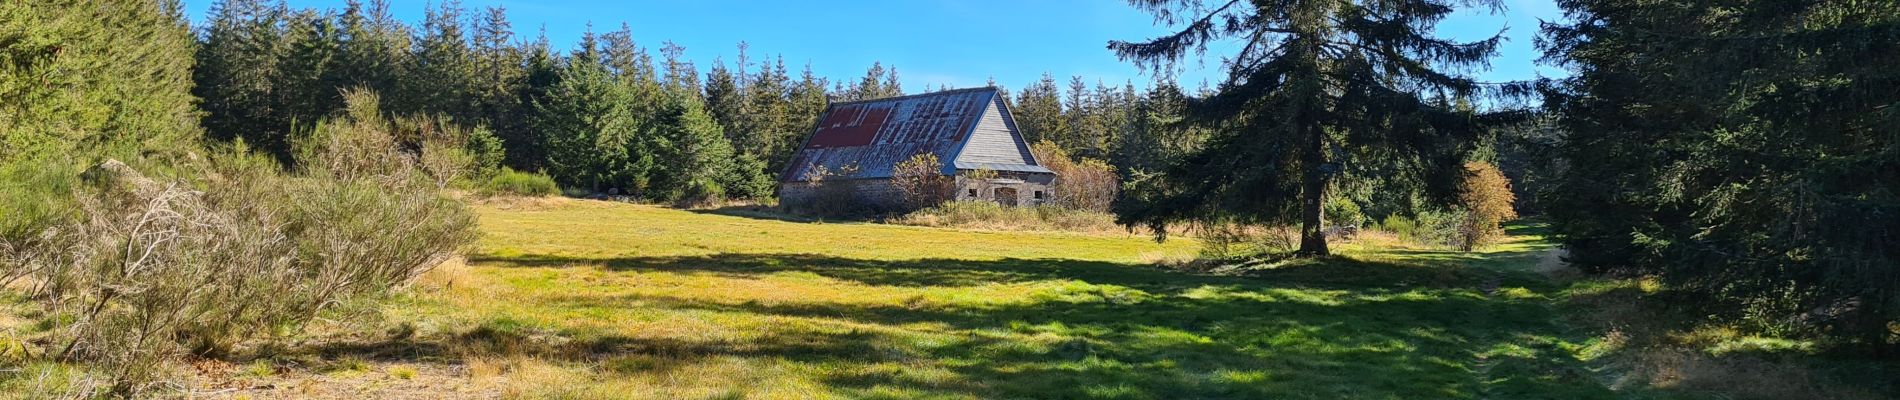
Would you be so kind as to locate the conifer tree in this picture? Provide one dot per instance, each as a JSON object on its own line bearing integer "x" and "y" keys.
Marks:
{"x": 442, "y": 78}
{"x": 1748, "y": 159}
{"x": 71, "y": 94}
{"x": 724, "y": 100}
{"x": 1084, "y": 115}
{"x": 526, "y": 145}
{"x": 1314, "y": 83}
{"x": 682, "y": 77}
{"x": 808, "y": 99}
{"x": 238, "y": 72}
{"x": 1038, "y": 111}
{"x": 634, "y": 67}
{"x": 697, "y": 159}
{"x": 770, "y": 125}
{"x": 373, "y": 52}
{"x": 588, "y": 128}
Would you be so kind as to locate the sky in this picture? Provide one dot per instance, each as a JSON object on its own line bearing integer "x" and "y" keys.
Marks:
{"x": 959, "y": 43}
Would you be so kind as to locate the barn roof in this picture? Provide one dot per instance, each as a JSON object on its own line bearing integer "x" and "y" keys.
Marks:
{"x": 873, "y": 135}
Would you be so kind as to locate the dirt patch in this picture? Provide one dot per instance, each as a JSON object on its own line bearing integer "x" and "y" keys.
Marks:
{"x": 367, "y": 380}
{"x": 513, "y": 203}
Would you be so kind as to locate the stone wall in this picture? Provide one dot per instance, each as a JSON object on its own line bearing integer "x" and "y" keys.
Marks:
{"x": 1030, "y": 189}
{"x": 879, "y": 195}
{"x": 867, "y": 194}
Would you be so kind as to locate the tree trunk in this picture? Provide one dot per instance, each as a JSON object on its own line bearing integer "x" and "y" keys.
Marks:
{"x": 1312, "y": 198}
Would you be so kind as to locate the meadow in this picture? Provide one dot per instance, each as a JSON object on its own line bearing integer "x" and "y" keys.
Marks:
{"x": 582, "y": 299}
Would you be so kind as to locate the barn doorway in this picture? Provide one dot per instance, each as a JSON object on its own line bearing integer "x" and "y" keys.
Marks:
{"x": 1006, "y": 196}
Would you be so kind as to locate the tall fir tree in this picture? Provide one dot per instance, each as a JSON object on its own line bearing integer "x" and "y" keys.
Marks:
{"x": 1086, "y": 128}
{"x": 725, "y": 100}
{"x": 238, "y": 72}
{"x": 682, "y": 77}
{"x": 807, "y": 100}
{"x": 374, "y": 51}
{"x": 442, "y": 76}
{"x": 80, "y": 85}
{"x": 1742, "y": 151}
{"x": 1313, "y": 84}
{"x": 769, "y": 125}
{"x": 588, "y": 128}
{"x": 1038, "y": 111}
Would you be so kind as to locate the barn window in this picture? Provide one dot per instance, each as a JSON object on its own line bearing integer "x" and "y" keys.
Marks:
{"x": 1038, "y": 195}
{"x": 972, "y": 192}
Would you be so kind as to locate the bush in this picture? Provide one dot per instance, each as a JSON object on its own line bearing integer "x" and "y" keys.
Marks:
{"x": 1486, "y": 200}
{"x": 920, "y": 179}
{"x": 1431, "y": 228}
{"x": 701, "y": 192}
{"x": 1342, "y": 211}
{"x": 1082, "y": 184}
{"x": 154, "y": 268}
{"x": 509, "y": 182}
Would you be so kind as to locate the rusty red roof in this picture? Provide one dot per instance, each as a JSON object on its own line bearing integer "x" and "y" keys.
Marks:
{"x": 873, "y": 135}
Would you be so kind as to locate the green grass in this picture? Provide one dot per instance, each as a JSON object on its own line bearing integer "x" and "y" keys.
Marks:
{"x": 599, "y": 300}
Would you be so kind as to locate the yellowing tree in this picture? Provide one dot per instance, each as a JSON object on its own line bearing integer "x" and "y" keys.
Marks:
{"x": 1486, "y": 197}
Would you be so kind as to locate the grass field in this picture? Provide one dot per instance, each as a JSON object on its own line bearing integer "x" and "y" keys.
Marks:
{"x": 578, "y": 299}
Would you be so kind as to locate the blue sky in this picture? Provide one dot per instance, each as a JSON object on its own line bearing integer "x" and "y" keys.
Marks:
{"x": 931, "y": 42}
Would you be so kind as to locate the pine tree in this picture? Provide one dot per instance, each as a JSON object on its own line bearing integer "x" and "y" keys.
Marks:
{"x": 806, "y": 101}
{"x": 770, "y": 125}
{"x": 1086, "y": 129}
{"x": 238, "y": 71}
{"x": 1314, "y": 83}
{"x": 697, "y": 159}
{"x": 374, "y": 51}
{"x": 892, "y": 87}
{"x": 1039, "y": 111}
{"x": 71, "y": 92}
{"x": 682, "y": 78}
{"x": 442, "y": 76}
{"x": 725, "y": 101}
{"x": 1749, "y": 159}
{"x": 588, "y": 129}
{"x": 302, "y": 91}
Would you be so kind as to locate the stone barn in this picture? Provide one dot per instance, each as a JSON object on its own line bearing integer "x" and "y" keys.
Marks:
{"x": 850, "y": 153}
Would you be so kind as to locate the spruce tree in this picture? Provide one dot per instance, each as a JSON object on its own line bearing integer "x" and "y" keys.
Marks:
{"x": 770, "y": 126}
{"x": 238, "y": 72}
{"x": 588, "y": 129}
{"x": 725, "y": 100}
{"x": 682, "y": 77}
{"x": 374, "y": 51}
{"x": 442, "y": 76}
{"x": 1086, "y": 128}
{"x": 1314, "y": 84}
{"x": 1038, "y": 111}
{"x": 71, "y": 92}
{"x": 696, "y": 158}
{"x": 808, "y": 99}
{"x": 1749, "y": 159}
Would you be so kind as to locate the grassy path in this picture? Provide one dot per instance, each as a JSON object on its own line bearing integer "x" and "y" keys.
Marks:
{"x": 598, "y": 300}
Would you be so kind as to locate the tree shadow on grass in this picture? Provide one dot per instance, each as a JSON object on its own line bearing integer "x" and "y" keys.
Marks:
{"x": 1323, "y": 328}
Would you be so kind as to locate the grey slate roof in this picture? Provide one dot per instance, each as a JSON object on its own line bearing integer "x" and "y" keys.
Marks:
{"x": 967, "y": 128}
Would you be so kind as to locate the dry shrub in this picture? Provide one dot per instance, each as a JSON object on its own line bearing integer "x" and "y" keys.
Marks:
{"x": 1486, "y": 200}
{"x": 1082, "y": 184}
{"x": 156, "y": 269}
{"x": 920, "y": 179}
{"x": 991, "y": 216}
{"x": 1734, "y": 377}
